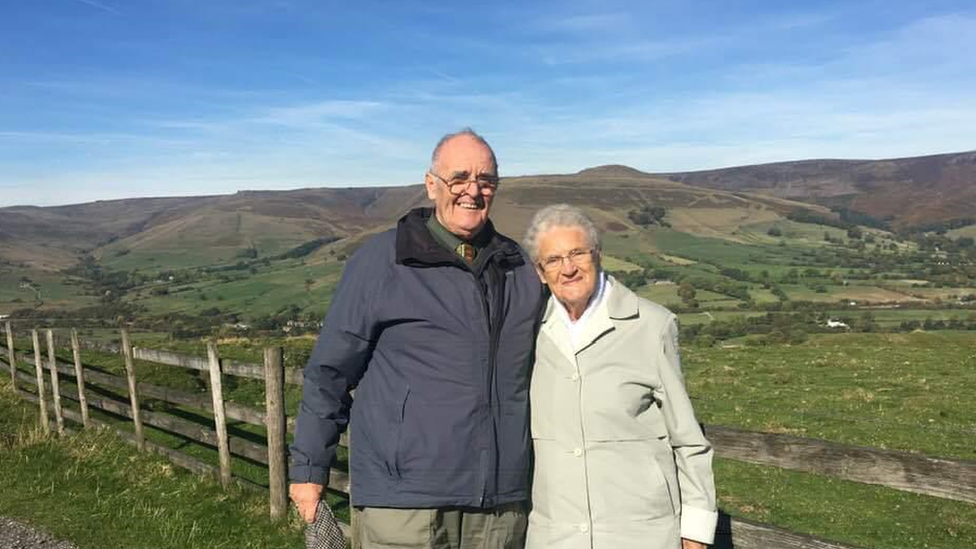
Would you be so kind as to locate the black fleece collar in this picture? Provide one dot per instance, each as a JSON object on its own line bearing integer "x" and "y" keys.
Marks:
{"x": 416, "y": 247}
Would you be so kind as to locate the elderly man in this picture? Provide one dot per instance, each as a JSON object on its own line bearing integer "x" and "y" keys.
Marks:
{"x": 620, "y": 461}
{"x": 433, "y": 323}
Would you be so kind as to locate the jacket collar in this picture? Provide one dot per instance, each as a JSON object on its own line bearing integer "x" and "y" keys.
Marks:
{"x": 620, "y": 306}
{"x": 623, "y": 303}
{"x": 416, "y": 247}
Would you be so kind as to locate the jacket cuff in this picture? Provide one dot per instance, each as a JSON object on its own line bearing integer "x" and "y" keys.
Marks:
{"x": 698, "y": 524}
{"x": 308, "y": 473}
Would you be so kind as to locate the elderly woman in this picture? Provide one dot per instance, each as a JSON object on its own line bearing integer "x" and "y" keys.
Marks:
{"x": 620, "y": 461}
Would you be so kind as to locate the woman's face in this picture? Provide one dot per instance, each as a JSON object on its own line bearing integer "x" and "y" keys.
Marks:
{"x": 569, "y": 265}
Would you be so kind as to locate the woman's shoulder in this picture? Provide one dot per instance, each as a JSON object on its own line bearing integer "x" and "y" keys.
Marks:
{"x": 647, "y": 311}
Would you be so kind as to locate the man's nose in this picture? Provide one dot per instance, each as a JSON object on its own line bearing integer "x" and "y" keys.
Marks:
{"x": 471, "y": 188}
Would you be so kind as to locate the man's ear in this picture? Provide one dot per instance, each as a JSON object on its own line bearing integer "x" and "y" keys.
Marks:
{"x": 431, "y": 184}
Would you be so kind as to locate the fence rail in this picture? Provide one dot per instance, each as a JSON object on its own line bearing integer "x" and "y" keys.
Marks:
{"x": 83, "y": 386}
{"x": 942, "y": 478}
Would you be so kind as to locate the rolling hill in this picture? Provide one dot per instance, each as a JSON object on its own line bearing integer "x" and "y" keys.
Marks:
{"x": 238, "y": 245}
{"x": 908, "y": 191}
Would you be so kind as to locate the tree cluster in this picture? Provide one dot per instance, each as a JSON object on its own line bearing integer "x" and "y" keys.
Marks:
{"x": 648, "y": 215}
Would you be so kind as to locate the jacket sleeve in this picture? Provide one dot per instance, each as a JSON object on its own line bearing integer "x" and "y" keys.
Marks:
{"x": 336, "y": 364}
{"x": 692, "y": 451}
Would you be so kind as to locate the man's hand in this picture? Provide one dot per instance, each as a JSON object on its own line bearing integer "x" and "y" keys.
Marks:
{"x": 689, "y": 544}
{"x": 306, "y": 497}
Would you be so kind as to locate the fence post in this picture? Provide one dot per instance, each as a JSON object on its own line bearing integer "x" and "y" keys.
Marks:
{"x": 274, "y": 400}
{"x": 39, "y": 372}
{"x": 130, "y": 374}
{"x": 220, "y": 420}
{"x": 12, "y": 355}
{"x": 79, "y": 376}
{"x": 55, "y": 385}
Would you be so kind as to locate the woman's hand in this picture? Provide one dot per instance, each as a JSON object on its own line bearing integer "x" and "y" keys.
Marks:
{"x": 690, "y": 544}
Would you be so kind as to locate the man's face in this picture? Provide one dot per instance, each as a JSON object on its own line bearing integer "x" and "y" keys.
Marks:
{"x": 572, "y": 281}
{"x": 466, "y": 158}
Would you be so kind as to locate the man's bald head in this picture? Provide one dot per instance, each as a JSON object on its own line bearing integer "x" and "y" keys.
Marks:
{"x": 464, "y": 133}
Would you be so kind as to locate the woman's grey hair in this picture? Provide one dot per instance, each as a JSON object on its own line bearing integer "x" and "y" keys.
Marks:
{"x": 558, "y": 215}
{"x": 463, "y": 131}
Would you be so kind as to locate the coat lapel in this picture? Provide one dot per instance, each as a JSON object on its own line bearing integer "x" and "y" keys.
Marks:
{"x": 556, "y": 331}
{"x": 623, "y": 303}
{"x": 595, "y": 327}
{"x": 620, "y": 305}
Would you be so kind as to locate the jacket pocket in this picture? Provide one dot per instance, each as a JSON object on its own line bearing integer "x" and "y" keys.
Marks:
{"x": 627, "y": 481}
{"x": 665, "y": 467}
{"x": 393, "y": 452}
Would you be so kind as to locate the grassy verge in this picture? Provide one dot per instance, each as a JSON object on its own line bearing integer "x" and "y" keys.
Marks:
{"x": 848, "y": 512}
{"x": 899, "y": 391}
{"x": 239, "y": 390}
{"x": 909, "y": 392}
{"x": 96, "y": 491}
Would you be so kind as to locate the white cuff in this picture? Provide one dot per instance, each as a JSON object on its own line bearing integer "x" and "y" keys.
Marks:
{"x": 698, "y": 524}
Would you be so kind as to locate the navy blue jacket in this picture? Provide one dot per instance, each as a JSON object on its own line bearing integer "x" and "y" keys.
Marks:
{"x": 439, "y": 354}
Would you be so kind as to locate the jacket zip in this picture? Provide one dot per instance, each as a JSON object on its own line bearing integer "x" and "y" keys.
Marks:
{"x": 492, "y": 322}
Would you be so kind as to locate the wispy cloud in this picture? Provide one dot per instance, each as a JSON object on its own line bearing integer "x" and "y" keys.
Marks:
{"x": 101, "y": 6}
{"x": 587, "y": 23}
{"x": 319, "y": 112}
{"x": 554, "y": 89}
{"x": 626, "y": 51}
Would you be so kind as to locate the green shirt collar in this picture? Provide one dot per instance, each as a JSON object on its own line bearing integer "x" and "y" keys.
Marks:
{"x": 450, "y": 240}
{"x": 443, "y": 236}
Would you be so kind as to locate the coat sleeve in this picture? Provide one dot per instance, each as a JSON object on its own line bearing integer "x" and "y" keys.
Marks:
{"x": 336, "y": 364}
{"x": 692, "y": 451}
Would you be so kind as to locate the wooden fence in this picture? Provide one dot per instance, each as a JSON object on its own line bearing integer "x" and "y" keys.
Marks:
{"x": 87, "y": 387}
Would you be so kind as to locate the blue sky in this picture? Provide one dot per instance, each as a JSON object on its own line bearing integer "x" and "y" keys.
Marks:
{"x": 105, "y": 99}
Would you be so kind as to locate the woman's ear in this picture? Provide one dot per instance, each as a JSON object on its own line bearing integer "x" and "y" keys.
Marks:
{"x": 542, "y": 275}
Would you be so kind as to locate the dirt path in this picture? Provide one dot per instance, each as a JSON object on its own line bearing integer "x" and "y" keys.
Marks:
{"x": 16, "y": 535}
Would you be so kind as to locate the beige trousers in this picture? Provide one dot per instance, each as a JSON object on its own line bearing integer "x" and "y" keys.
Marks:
{"x": 502, "y": 527}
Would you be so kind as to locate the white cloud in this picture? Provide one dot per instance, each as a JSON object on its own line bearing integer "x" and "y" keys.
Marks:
{"x": 100, "y": 6}
{"x": 313, "y": 113}
{"x": 905, "y": 92}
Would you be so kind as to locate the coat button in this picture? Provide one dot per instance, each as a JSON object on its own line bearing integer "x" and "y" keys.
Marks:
{"x": 584, "y": 527}
{"x": 577, "y": 452}
{"x": 575, "y": 376}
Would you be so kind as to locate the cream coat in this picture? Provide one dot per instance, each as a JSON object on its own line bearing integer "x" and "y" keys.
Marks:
{"x": 620, "y": 460}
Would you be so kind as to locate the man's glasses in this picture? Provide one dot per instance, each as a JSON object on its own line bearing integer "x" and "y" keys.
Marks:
{"x": 580, "y": 258}
{"x": 487, "y": 183}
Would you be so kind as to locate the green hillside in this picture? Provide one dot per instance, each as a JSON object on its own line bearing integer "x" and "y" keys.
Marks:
{"x": 273, "y": 256}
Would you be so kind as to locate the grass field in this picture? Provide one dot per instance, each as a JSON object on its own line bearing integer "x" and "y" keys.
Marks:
{"x": 844, "y": 511}
{"x": 969, "y": 231}
{"x": 798, "y": 233}
{"x": 945, "y": 294}
{"x": 857, "y": 293}
{"x": 267, "y": 291}
{"x": 663, "y": 294}
{"x": 889, "y": 318}
{"x": 53, "y": 289}
{"x": 898, "y": 391}
{"x": 907, "y": 392}
{"x": 901, "y": 391}
{"x": 214, "y": 238}
{"x": 611, "y": 263}
{"x": 96, "y": 491}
